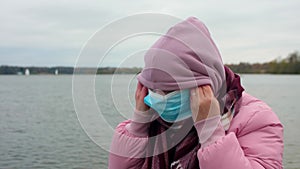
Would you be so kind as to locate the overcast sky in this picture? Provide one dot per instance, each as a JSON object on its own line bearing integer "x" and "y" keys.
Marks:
{"x": 52, "y": 32}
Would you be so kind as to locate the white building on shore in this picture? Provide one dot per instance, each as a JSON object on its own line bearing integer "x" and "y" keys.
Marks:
{"x": 27, "y": 72}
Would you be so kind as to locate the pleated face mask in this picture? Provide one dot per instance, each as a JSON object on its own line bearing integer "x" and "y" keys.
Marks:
{"x": 172, "y": 107}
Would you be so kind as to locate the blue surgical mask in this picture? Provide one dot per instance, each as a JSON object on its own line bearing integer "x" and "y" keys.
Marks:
{"x": 174, "y": 106}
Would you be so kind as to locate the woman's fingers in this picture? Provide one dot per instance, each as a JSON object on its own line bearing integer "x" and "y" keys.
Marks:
{"x": 203, "y": 103}
{"x": 207, "y": 91}
{"x": 144, "y": 91}
{"x": 197, "y": 94}
{"x": 139, "y": 86}
{"x": 141, "y": 92}
{"x": 139, "y": 89}
{"x": 200, "y": 91}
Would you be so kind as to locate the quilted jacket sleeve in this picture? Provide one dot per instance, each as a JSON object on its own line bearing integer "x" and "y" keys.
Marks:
{"x": 129, "y": 142}
{"x": 255, "y": 141}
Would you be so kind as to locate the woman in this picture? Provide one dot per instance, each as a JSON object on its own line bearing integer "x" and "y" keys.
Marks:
{"x": 192, "y": 112}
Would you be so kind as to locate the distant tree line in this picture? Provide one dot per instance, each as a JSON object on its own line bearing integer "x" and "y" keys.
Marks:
{"x": 12, "y": 70}
{"x": 288, "y": 65}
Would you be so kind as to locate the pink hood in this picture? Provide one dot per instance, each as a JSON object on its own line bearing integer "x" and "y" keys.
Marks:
{"x": 185, "y": 57}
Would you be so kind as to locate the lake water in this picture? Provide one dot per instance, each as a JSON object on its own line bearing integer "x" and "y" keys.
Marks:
{"x": 39, "y": 126}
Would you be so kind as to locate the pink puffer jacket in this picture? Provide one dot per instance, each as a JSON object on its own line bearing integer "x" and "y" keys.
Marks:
{"x": 254, "y": 140}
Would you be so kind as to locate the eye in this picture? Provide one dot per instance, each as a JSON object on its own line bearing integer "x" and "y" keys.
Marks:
{"x": 158, "y": 91}
{"x": 167, "y": 92}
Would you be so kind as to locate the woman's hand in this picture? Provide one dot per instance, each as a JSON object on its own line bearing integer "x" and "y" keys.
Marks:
{"x": 203, "y": 103}
{"x": 140, "y": 93}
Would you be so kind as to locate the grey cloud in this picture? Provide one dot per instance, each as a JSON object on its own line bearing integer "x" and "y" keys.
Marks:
{"x": 240, "y": 28}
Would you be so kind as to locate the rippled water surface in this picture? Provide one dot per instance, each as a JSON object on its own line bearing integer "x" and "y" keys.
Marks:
{"x": 39, "y": 126}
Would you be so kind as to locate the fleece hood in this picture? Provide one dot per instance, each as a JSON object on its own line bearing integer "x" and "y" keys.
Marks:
{"x": 185, "y": 57}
